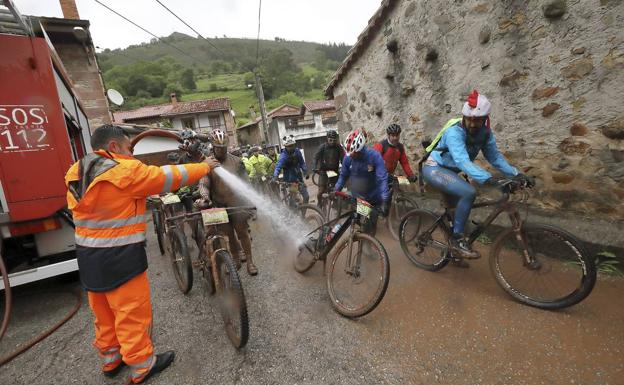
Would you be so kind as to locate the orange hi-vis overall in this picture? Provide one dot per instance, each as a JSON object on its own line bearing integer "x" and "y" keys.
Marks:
{"x": 107, "y": 194}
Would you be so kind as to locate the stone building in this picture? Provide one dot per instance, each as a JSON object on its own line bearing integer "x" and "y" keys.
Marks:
{"x": 554, "y": 71}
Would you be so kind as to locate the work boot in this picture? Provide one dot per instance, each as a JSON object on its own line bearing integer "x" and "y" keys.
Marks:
{"x": 163, "y": 360}
{"x": 460, "y": 245}
{"x": 113, "y": 372}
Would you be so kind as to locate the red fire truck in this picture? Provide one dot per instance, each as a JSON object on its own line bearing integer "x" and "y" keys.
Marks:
{"x": 43, "y": 130}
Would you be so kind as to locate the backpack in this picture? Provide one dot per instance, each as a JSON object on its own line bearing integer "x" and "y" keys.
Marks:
{"x": 430, "y": 147}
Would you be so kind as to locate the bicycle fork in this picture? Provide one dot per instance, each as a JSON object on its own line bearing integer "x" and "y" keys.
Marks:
{"x": 352, "y": 265}
{"x": 528, "y": 255}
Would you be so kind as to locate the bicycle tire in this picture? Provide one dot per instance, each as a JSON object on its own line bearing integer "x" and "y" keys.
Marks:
{"x": 583, "y": 265}
{"x": 408, "y": 237}
{"x": 305, "y": 259}
{"x": 182, "y": 267}
{"x": 232, "y": 297}
{"x": 401, "y": 206}
{"x": 159, "y": 230}
{"x": 315, "y": 178}
{"x": 371, "y": 304}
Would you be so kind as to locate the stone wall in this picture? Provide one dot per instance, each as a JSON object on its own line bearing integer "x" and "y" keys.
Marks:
{"x": 553, "y": 70}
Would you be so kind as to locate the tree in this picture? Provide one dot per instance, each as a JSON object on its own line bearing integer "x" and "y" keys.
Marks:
{"x": 187, "y": 79}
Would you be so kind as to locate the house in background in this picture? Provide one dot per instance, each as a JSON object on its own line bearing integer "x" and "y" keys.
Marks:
{"x": 202, "y": 116}
{"x": 279, "y": 118}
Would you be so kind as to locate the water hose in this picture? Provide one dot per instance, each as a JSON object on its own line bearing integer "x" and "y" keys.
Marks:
{"x": 66, "y": 215}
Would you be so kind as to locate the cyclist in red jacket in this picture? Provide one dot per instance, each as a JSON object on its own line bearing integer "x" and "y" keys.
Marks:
{"x": 392, "y": 151}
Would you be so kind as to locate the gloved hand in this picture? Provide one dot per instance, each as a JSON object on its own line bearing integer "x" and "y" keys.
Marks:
{"x": 413, "y": 179}
{"x": 385, "y": 209}
{"x": 307, "y": 175}
{"x": 525, "y": 180}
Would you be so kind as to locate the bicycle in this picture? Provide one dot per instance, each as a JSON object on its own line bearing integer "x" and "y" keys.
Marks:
{"x": 331, "y": 208}
{"x": 526, "y": 250}
{"x": 365, "y": 262}
{"x": 158, "y": 221}
{"x": 219, "y": 271}
{"x": 399, "y": 205}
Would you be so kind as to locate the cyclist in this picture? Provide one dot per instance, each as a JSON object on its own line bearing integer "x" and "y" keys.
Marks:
{"x": 456, "y": 150}
{"x": 328, "y": 158}
{"x": 245, "y": 160}
{"x": 369, "y": 178}
{"x": 272, "y": 157}
{"x": 216, "y": 193}
{"x": 293, "y": 166}
{"x": 393, "y": 152}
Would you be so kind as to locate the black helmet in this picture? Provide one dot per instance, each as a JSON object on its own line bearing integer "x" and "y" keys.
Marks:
{"x": 332, "y": 134}
{"x": 393, "y": 129}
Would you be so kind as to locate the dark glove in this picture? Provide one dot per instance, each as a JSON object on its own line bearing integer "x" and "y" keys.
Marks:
{"x": 385, "y": 209}
{"x": 307, "y": 176}
{"x": 413, "y": 179}
{"x": 524, "y": 180}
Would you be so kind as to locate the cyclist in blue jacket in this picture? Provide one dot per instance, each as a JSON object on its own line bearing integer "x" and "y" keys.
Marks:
{"x": 367, "y": 171}
{"x": 293, "y": 166}
{"x": 459, "y": 146}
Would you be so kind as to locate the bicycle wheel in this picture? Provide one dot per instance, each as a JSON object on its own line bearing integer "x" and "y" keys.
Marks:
{"x": 399, "y": 208}
{"x": 357, "y": 289}
{"x": 181, "y": 260}
{"x": 557, "y": 274}
{"x": 159, "y": 230}
{"x": 231, "y": 300}
{"x": 315, "y": 178}
{"x": 424, "y": 245}
{"x": 312, "y": 244}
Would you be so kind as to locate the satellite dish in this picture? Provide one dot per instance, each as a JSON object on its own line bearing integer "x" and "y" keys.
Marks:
{"x": 115, "y": 97}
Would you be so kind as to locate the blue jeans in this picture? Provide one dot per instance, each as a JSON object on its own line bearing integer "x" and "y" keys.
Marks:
{"x": 459, "y": 193}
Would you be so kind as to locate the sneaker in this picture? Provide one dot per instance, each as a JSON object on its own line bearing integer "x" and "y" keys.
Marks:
{"x": 460, "y": 245}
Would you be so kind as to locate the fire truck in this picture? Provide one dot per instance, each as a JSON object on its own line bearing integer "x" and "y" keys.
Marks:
{"x": 43, "y": 131}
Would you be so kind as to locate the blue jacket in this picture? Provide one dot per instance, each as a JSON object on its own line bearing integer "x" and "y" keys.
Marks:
{"x": 291, "y": 164}
{"x": 457, "y": 150}
{"x": 369, "y": 178}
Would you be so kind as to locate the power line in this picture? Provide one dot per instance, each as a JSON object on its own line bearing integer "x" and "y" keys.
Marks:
{"x": 258, "y": 38}
{"x": 145, "y": 30}
{"x": 200, "y": 35}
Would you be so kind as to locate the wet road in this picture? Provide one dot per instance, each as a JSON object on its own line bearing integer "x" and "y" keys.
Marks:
{"x": 455, "y": 326}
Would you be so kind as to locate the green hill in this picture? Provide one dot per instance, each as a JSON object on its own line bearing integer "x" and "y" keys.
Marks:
{"x": 291, "y": 71}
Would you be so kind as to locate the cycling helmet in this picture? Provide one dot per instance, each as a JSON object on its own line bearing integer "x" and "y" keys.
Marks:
{"x": 393, "y": 129}
{"x": 289, "y": 141}
{"x": 219, "y": 138}
{"x": 332, "y": 134}
{"x": 476, "y": 106}
{"x": 355, "y": 142}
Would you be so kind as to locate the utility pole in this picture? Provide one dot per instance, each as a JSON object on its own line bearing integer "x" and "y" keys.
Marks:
{"x": 260, "y": 93}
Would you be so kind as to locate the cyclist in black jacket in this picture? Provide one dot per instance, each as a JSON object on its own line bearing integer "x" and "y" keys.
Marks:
{"x": 328, "y": 158}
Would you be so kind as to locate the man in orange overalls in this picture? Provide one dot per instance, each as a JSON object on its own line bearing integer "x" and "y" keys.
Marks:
{"x": 107, "y": 191}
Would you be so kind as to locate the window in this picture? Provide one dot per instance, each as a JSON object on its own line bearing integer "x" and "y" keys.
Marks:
{"x": 188, "y": 123}
{"x": 214, "y": 121}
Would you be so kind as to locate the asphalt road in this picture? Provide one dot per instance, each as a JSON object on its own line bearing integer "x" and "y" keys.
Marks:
{"x": 455, "y": 326}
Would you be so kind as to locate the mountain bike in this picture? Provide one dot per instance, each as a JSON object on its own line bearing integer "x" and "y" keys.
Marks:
{"x": 399, "y": 205}
{"x": 538, "y": 265}
{"x": 219, "y": 271}
{"x": 359, "y": 270}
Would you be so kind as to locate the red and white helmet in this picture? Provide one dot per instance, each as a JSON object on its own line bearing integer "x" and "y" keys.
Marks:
{"x": 476, "y": 106}
{"x": 355, "y": 142}
{"x": 219, "y": 138}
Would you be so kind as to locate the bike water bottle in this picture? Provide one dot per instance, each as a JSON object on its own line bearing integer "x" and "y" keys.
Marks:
{"x": 333, "y": 232}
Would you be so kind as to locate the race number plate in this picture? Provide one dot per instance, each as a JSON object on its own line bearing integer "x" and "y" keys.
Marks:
{"x": 403, "y": 180}
{"x": 264, "y": 178}
{"x": 215, "y": 216}
{"x": 363, "y": 208}
{"x": 170, "y": 199}
{"x": 331, "y": 174}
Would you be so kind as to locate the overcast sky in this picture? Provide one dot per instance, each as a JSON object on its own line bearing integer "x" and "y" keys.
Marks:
{"x": 310, "y": 20}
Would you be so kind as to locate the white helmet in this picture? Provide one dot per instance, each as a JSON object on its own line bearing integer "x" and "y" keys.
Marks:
{"x": 219, "y": 138}
{"x": 289, "y": 141}
{"x": 476, "y": 106}
{"x": 355, "y": 142}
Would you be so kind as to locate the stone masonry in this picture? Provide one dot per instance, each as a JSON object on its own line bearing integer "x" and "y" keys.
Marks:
{"x": 553, "y": 70}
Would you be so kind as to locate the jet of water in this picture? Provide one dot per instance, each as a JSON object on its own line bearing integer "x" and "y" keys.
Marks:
{"x": 289, "y": 225}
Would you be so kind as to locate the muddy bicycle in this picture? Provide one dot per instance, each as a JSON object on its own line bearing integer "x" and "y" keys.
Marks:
{"x": 359, "y": 270}
{"x": 217, "y": 267}
{"x": 538, "y": 265}
{"x": 400, "y": 204}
